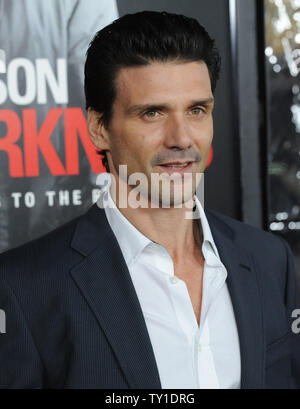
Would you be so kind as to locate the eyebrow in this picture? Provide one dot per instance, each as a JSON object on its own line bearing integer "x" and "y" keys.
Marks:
{"x": 134, "y": 109}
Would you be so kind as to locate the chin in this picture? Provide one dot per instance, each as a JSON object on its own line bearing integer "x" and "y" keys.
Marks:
{"x": 177, "y": 199}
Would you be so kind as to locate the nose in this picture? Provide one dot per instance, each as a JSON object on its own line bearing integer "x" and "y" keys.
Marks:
{"x": 177, "y": 133}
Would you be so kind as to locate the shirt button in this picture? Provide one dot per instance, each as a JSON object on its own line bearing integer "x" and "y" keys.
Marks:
{"x": 173, "y": 280}
{"x": 199, "y": 348}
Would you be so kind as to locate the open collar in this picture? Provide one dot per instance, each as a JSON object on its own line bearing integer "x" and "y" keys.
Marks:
{"x": 105, "y": 283}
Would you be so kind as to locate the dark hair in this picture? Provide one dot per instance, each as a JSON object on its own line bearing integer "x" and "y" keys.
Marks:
{"x": 137, "y": 40}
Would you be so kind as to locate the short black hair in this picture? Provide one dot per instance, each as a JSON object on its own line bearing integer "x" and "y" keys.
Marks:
{"x": 140, "y": 39}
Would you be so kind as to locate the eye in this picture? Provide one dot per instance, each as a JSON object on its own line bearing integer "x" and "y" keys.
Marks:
{"x": 197, "y": 111}
{"x": 150, "y": 115}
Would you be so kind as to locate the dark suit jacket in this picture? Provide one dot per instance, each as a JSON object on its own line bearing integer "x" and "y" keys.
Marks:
{"x": 73, "y": 319}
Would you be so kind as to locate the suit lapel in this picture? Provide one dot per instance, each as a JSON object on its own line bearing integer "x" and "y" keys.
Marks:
{"x": 246, "y": 300}
{"x": 105, "y": 282}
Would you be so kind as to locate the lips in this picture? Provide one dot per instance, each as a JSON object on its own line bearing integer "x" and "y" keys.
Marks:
{"x": 176, "y": 165}
{"x": 182, "y": 167}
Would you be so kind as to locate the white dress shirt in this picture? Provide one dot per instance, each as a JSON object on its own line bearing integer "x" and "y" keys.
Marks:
{"x": 188, "y": 356}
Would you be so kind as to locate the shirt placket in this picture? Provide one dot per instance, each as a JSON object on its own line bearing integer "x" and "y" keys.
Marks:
{"x": 206, "y": 374}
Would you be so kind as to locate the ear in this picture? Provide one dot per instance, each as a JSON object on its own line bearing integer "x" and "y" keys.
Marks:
{"x": 97, "y": 131}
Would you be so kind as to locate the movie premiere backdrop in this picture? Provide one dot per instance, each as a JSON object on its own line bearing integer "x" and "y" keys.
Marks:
{"x": 47, "y": 162}
{"x": 48, "y": 166}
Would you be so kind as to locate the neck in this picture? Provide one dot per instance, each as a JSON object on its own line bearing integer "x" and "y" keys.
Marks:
{"x": 166, "y": 226}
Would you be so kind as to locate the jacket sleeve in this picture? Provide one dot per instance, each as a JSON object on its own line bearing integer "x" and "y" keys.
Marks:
{"x": 20, "y": 363}
{"x": 292, "y": 312}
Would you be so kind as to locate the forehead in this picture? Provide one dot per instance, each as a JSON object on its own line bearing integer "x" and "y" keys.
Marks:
{"x": 162, "y": 82}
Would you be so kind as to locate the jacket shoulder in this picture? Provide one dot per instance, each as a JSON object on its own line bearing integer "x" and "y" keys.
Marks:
{"x": 250, "y": 238}
{"x": 42, "y": 254}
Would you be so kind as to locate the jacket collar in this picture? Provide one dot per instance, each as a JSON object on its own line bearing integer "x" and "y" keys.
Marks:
{"x": 105, "y": 282}
{"x": 243, "y": 286}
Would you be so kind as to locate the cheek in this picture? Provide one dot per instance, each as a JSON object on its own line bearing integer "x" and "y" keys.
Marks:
{"x": 204, "y": 138}
{"x": 142, "y": 140}
{"x": 130, "y": 146}
{"x": 122, "y": 142}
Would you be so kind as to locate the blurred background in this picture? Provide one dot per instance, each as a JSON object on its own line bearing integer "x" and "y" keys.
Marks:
{"x": 47, "y": 164}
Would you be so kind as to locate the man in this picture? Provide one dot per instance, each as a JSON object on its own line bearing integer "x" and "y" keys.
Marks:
{"x": 147, "y": 296}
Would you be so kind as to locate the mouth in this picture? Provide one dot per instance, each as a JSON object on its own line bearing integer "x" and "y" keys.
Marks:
{"x": 176, "y": 167}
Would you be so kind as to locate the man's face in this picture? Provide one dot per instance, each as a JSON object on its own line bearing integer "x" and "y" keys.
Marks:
{"x": 162, "y": 120}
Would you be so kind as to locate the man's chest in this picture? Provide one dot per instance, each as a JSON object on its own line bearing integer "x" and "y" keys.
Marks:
{"x": 191, "y": 272}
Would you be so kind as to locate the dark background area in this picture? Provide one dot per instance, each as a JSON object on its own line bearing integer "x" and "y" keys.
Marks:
{"x": 222, "y": 178}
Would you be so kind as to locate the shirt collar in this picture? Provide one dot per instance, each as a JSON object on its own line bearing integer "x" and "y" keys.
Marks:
{"x": 207, "y": 235}
{"x": 132, "y": 242}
